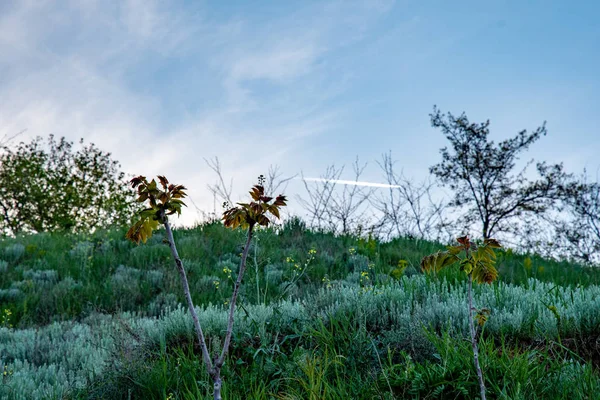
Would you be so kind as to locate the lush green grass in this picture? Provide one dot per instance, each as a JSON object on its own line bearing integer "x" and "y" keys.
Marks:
{"x": 322, "y": 317}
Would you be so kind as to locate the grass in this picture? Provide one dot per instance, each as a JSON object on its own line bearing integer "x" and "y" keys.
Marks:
{"x": 322, "y": 317}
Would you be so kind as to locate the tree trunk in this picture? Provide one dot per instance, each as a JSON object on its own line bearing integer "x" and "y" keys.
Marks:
{"x": 217, "y": 385}
{"x": 188, "y": 297}
{"x": 236, "y": 289}
{"x": 474, "y": 340}
{"x": 213, "y": 370}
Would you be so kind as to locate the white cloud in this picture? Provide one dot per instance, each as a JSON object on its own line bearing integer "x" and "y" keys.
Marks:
{"x": 279, "y": 64}
{"x": 68, "y": 68}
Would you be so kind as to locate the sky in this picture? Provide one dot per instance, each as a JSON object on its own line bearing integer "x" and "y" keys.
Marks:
{"x": 300, "y": 84}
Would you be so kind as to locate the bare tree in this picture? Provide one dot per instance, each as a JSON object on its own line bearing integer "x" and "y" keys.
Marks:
{"x": 578, "y": 235}
{"x": 319, "y": 192}
{"x": 347, "y": 208}
{"x": 339, "y": 210}
{"x": 408, "y": 208}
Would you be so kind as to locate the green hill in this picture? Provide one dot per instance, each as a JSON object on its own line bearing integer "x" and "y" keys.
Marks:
{"x": 321, "y": 316}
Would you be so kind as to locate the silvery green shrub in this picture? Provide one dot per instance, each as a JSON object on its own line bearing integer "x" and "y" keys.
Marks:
{"x": 41, "y": 277}
{"x": 273, "y": 274}
{"x": 82, "y": 250}
{"x": 54, "y": 359}
{"x": 14, "y": 252}
{"x": 10, "y": 294}
{"x": 155, "y": 277}
{"x": 163, "y": 302}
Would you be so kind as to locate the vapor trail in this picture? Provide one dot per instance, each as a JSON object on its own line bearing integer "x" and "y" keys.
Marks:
{"x": 355, "y": 183}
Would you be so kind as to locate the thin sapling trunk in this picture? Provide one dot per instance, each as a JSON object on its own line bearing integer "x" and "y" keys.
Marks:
{"x": 168, "y": 201}
{"x": 188, "y": 297}
{"x": 474, "y": 338}
{"x": 478, "y": 264}
{"x": 236, "y": 289}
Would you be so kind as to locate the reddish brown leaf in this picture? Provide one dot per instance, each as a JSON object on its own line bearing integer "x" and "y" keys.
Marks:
{"x": 163, "y": 181}
{"x": 464, "y": 241}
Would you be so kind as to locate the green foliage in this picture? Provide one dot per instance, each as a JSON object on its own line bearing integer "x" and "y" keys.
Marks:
{"x": 90, "y": 261}
{"x": 53, "y": 188}
{"x": 512, "y": 373}
{"x": 60, "y": 290}
{"x": 479, "y": 261}
{"x": 105, "y": 356}
{"x": 161, "y": 204}
{"x": 247, "y": 215}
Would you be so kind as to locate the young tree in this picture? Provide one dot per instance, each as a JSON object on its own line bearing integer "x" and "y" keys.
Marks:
{"x": 480, "y": 173}
{"x": 51, "y": 188}
{"x": 479, "y": 265}
{"x": 166, "y": 201}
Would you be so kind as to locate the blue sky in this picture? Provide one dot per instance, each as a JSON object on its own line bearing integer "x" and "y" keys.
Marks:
{"x": 163, "y": 85}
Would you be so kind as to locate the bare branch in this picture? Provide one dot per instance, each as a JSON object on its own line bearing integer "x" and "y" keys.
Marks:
{"x": 408, "y": 208}
{"x": 319, "y": 197}
{"x": 220, "y": 190}
{"x": 344, "y": 210}
{"x": 274, "y": 183}
{"x": 6, "y": 139}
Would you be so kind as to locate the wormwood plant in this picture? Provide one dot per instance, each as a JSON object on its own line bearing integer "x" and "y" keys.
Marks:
{"x": 478, "y": 263}
{"x": 167, "y": 201}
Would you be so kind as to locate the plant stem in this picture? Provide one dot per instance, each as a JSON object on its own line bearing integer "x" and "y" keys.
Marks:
{"x": 474, "y": 340}
{"x": 236, "y": 289}
{"x": 188, "y": 297}
{"x": 256, "y": 270}
{"x": 219, "y": 362}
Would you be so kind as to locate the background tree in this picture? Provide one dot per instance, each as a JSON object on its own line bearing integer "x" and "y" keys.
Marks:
{"x": 220, "y": 190}
{"x": 408, "y": 208}
{"x": 348, "y": 206}
{"x": 480, "y": 173}
{"x": 53, "y": 187}
{"x": 274, "y": 181}
{"x": 320, "y": 193}
{"x": 342, "y": 210}
{"x": 577, "y": 233}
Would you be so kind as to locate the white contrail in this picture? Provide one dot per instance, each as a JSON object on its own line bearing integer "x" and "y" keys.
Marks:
{"x": 355, "y": 183}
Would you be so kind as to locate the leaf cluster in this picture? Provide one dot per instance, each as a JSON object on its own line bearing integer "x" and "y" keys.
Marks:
{"x": 478, "y": 261}
{"x": 247, "y": 215}
{"x": 162, "y": 201}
